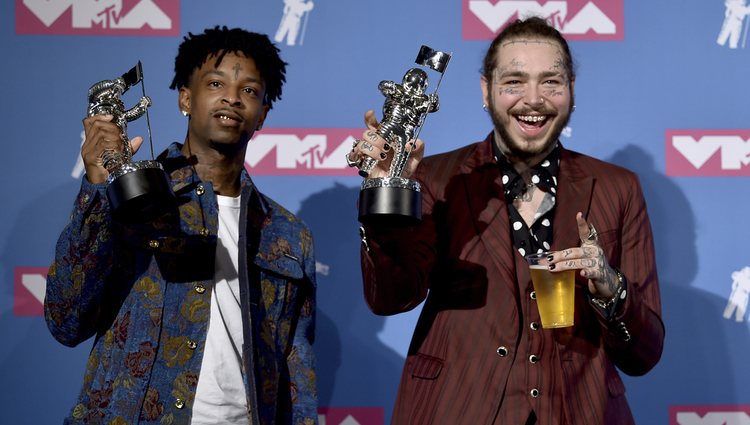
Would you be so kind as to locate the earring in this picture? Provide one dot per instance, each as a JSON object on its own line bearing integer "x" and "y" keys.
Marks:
{"x": 574, "y": 107}
{"x": 184, "y": 113}
{"x": 484, "y": 106}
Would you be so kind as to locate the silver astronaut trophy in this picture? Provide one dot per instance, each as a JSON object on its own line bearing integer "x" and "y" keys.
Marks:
{"x": 137, "y": 191}
{"x": 406, "y": 106}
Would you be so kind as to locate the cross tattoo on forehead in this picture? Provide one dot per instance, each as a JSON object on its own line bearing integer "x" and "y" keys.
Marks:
{"x": 236, "y": 68}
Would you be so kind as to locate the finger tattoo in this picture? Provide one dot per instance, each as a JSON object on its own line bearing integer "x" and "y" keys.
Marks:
{"x": 590, "y": 251}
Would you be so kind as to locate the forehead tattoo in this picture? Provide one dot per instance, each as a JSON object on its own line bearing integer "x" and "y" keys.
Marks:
{"x": 516, "y": 65}
{"x": 237, "y": 69}
{"x": 526, "y": 41}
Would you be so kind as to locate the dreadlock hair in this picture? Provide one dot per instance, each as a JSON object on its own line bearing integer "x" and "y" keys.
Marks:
{"x": 195, "y": 50}
{"x": 532, "y": 27}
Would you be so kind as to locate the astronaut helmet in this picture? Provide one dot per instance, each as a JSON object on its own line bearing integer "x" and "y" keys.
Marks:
{"x": 415, "y": 81}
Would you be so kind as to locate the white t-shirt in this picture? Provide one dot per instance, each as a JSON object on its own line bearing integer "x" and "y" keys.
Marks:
{"x": 220, "y": 397}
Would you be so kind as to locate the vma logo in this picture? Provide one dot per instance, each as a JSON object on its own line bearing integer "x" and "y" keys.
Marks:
{"x": 98, "y": 17}
{"x": 295, "y": 151}
{"x": 709, "y": 415}
{"x": 576, "y": 19}
{"x": 296, "y": 13}
{"x": 350, "y": 416}
{"x": 740, "y": 295}
{"x": 28, "y": 290}
{"x": 733, "y": 31}
{"x": 708, "y": 152}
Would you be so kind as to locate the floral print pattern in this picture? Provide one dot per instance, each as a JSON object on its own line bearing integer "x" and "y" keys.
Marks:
{"x": 143, "y": 291}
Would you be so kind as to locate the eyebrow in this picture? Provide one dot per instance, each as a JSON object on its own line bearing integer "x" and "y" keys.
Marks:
{"x": 542, "y": 75}
{"x": 218, "y": 73}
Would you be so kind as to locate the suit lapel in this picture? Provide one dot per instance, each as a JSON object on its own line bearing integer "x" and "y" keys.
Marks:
{"x": 483, "y": 189}
{"x": 575, "y": 188}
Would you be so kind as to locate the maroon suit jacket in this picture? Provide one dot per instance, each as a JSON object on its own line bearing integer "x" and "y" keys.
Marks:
{"x": 477, "y": 326}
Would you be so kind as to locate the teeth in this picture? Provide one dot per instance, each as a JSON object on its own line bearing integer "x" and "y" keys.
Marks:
{"x": 532, "y": 118}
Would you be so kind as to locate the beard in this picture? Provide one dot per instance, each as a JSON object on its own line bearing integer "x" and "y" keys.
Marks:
{"x": 515, "y": 148}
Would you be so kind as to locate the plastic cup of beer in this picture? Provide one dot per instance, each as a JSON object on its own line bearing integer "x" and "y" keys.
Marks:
{"x": 555, "y": 292}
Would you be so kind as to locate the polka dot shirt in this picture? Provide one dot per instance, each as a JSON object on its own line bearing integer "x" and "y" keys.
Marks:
{"x": 538, "y": 238}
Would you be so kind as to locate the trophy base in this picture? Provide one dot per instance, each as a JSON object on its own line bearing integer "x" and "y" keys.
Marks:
{"x": 139, "y": 192}
{"x": 393, "y": 201}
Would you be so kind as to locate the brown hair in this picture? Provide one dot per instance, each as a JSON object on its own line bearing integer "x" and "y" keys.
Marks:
{"x": 534, "y": 27}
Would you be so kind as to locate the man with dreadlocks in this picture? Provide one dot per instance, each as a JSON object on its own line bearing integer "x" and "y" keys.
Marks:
{"x": 204, "y": 315}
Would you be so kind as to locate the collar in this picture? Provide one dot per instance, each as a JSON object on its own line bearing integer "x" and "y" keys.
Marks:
{"x": 184, "y": 178}
{"x": 544, "y": 175}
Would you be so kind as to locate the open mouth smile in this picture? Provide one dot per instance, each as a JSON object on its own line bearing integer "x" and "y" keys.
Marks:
{"x": 532, "y": 120}
{"x": 533, "y": 125}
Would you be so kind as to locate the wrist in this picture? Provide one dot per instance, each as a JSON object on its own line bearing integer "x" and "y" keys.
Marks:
{"x": 607, "y": 304}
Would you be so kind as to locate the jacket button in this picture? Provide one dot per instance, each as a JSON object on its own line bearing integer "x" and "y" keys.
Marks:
{"x": 533, "y": 295}
{"x": 534, "y": 393}
{"x": 624, "y": 331}
{"x": 191, "y": 344}
{"x": 533, "y": 358}
{"x": 204, "y": 232}
{"x": 179, "y": 403}
{"x": 200, "y": 190}
{"x": 200, "y": 288}
{"x": 534, "y": 326}
{"x": 502, "y": 351}
{"x": 153, "y": 244}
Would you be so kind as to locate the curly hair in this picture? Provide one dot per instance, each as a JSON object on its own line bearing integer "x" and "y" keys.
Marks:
{"x": 195, "y": 50}
{"x": 531, "y": 27}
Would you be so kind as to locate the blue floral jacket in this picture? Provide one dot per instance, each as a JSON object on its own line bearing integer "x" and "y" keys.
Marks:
{"x": 143, "y": 291}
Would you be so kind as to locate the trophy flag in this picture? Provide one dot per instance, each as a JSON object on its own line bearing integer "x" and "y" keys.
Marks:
{"x": 134, "y": 75}
{"x": 433, "y": 59}
{"x": 131, "y": 78}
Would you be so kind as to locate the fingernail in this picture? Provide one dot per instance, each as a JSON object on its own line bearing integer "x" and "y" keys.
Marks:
{"x": 551, "y": 266}
{"x": 382, "y": 155}
{"x": 362, "y": 173}
{"x": 550, "y": 257}
{"x": 386, "y": 147}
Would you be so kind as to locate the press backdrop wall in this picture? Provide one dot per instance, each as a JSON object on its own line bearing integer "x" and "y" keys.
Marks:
{"x": 660, "y": 90}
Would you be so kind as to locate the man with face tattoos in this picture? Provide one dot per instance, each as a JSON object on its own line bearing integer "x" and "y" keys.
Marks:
{"x": 205, "y": 314}
{"x": 478, "y": 354}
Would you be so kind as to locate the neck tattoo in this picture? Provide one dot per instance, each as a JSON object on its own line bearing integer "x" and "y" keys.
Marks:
{"x": 527, "y": 193}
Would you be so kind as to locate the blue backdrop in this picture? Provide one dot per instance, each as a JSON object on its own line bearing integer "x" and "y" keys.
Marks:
{"x": 661, "y": 91}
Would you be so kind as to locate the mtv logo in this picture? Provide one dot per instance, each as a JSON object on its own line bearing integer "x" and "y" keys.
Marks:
{"x": 102, "y": 17}
{"x": 29, "y": 284}
{"x": 710, "y": 415}
{"x": 300, "y": 152}
{"x": 575, "y": 19}
{"x": 350, "y": 416}
{"x": 708, "y": 152}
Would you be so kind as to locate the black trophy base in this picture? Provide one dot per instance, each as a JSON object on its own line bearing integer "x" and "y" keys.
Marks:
{"x": 390, "y": 206}
{"x": 140, "y": 195}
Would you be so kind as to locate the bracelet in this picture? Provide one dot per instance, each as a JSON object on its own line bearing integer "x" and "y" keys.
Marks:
{"x": 620, "y": 294}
